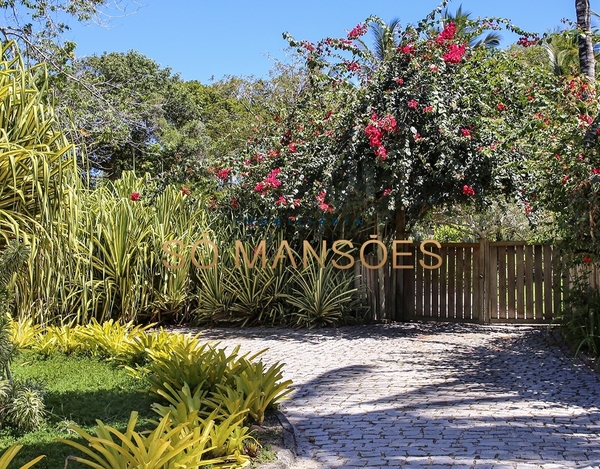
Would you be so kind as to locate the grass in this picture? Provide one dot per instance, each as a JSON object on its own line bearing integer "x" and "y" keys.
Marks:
{"x": 78, "y": 390}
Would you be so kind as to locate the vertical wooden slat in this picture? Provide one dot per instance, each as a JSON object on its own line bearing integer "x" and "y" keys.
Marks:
{"x": 484, "y": 282}
{"x": 492, "y": 284}
{"x": 557, "y": 285}
{"x": 460, "y": 272}
{"x": 511, "y": 287}
{"x": 538, "y": 277}
{"x": 419, "y": 303}
{"x": 478, "y": 284}
{"x": 443, "y": 272}
{"x": 548, "y": 281}
{"x": 427, "y": 288}
{"x": 520, "y": 283}
{"x": 435, "y": 292}
{"x": 468, "y": 286}
{"x": 451, "y": 283}
{"x": 501, "y": 250}
{"x": 529, "y": 282}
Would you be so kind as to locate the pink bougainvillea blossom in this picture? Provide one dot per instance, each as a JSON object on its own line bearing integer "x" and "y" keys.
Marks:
{"x": 135, "y": 196}
{"x": 447, "y": 33}
{"x": 186, "y": 191}
{"x": 587, "y": 259}
{"x": 400, "y": 81}
{"x": 387, "y": 192}
{"x": 353, "y": 66}
{"x": 413, "y": 104}
{"x": 359, "y": 30}
{"x": 381, "y": 153}
{"x": 468, "y": 190}
{"x": 465, "y": 133}
{"x": 281, "y": 201}
{"x": 407, "y": 49}
{"x": 223, "y": 174}
{"x": 501, "y": 106}
{"x": 270, "y": 182}
{"x": 321, "y": 202}
{"x": 455, "y": 53}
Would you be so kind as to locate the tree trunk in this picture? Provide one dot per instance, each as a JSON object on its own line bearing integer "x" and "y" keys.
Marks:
{"x": 587, "y": 61}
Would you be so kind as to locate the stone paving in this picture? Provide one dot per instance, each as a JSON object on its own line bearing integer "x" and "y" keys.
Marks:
{"x": 432, "y": 395}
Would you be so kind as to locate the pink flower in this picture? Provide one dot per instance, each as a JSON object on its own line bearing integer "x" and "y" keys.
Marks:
{"x": 413, "y": 104}
{"x": 359, "y": 30}
{"x": 296, "y": 203}
{"x": 186, "y": 190}
{"x": 428, "y": 109}
{"x": 135, "y": 196}
{"x": 528, "y": 208}
{"x": 565, "y": 179}
{"x": 468, "y": 190}
{"x": 433, "y": 68}
{"x": 501, "y": 106}
{"x": 587, "y": 259}
{"x": 292, "y": 148}
{"x": 273, "y": 153}
{"x": 223, "y": 174}
{"x": 281, "y": 201}
{"x": 586, "y": 118}
{"x": 381, "y": 153}
{"x": 407, "y": 49}
{"x": 374, "y": 135}
{"x": 455, "y": 53}
{"x": 387, "y": 192}
{"x": 466, "y": 133}
{"x": 388, "y": 123}
{"x": 596, "y": 171}
{"x": 234, "y": 203}
{"x": 352, "y": 66}
{"x": 400, "y": 81}
{"x": 447, "y": 33}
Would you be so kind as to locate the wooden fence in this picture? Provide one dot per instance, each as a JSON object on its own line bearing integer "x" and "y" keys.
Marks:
{"x": 506, "y": 282}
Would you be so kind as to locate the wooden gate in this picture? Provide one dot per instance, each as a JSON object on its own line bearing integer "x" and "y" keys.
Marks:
{"x": 505, "y": 282}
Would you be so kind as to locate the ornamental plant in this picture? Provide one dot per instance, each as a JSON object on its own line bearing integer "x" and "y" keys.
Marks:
{"x": 427, "y": 126}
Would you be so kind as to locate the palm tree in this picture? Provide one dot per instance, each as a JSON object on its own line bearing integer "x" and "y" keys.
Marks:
{"x": 587, "y": 62}
{"x": 465, "y": 28}
{"x": 563, "y": 53}
{"x": 386, "y": 39}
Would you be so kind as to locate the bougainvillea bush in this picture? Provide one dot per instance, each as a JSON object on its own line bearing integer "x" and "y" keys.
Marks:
{"x": 436, "y": 123}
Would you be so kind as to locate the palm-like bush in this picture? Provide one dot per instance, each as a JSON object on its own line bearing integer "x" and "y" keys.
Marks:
{"x": 34, "y": 152}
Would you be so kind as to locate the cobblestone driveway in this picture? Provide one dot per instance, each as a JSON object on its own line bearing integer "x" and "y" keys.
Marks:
{"x": 432, "y": 395}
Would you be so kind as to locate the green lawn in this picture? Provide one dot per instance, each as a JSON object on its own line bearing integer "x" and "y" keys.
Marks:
{"x": 78, "y": 390}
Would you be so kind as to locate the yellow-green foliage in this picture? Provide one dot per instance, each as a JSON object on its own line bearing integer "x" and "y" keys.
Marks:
{"x": 104, "y": 256}
{"x": 10, "y": 454}
{"x": 203, "y": 390}
{"x": 24, "y": 333}
{"x": 34, "y": 151}
{"x": 167, "y": 446}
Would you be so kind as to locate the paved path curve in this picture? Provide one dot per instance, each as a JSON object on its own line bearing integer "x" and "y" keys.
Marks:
{"x": 432, "y": 395}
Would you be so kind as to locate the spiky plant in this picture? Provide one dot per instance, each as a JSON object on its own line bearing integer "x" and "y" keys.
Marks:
{"x": 34, "y": 151}
{"x": 11, "y": 261}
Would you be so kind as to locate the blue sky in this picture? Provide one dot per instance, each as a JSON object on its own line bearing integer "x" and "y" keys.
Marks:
{"x": 200, "y": 39}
